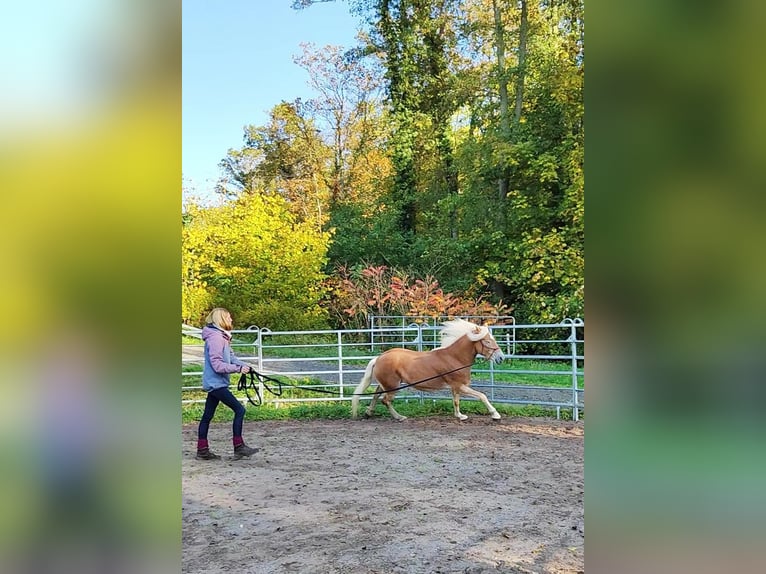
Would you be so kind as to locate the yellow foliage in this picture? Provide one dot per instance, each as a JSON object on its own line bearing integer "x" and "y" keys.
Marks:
{"x": 254, "y": 257}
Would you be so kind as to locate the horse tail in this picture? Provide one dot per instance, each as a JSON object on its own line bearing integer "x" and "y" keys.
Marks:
{"x": 366, "y": 380}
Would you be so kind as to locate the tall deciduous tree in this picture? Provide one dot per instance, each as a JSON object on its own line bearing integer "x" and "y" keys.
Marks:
{"x": 347, "y": 107}
{"x": 286, "y": 157}
{"x": 536, "y": 259}
{"x": 502, "y": 86}
{"x": 417, "y": 41}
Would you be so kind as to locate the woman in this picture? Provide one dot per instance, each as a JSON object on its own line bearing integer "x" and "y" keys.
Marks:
{"x": 220, "y": 363}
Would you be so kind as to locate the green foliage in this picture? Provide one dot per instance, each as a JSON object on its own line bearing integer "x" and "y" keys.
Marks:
{"x": 532, "y": 254}
{"x": 251, "y": 256}
{"x": 417, "y": 41}
{"x": 544, "y": 274}
{"x": 376, "y": 238}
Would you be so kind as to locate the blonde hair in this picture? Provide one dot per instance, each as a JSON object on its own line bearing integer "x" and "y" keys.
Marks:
{"x": 218, "y": 317}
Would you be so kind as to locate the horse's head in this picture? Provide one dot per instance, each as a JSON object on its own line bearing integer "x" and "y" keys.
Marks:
{"x": 483, "y": 342}
{"x": 486, "y": 345}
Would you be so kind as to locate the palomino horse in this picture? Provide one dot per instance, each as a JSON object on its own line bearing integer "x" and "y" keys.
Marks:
{"x": 447, "y": 366}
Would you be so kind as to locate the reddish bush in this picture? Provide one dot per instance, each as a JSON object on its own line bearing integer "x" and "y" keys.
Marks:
{"x": 353, "y": 295}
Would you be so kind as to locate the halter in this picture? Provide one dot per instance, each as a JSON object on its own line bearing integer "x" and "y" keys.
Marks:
{"x": 491, "y": 345}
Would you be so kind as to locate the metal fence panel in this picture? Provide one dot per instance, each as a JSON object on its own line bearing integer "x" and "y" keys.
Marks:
{"x": 544, "y": 363}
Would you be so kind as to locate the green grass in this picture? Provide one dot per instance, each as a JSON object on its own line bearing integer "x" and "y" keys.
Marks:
{"x": 413, "y": 408}
{"x": 288, "y": 390}
{"x": 409, "y": 407}
{"x": 558, "y": 381}
{"x": 544, "y": 380}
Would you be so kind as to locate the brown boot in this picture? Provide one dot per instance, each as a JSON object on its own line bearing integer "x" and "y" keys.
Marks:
{"x": 205, "y": 454}
{"x": 243, "y": 450}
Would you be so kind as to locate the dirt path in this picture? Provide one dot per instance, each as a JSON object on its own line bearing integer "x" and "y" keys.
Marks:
{"x": 430, "y": 495}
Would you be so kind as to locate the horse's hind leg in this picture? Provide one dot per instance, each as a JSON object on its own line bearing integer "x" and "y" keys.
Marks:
{"x": 468, "y": 391}
{"x": 387, "y": 400}
{"x": 373, "y": 402}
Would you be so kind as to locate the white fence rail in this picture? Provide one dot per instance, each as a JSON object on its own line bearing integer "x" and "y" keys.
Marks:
{"x": 543, "y": 366}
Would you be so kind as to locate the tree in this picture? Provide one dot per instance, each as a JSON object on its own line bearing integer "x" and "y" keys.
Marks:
{"x": 254, "y": 257}
{"x": 502, "y": 86}
{"x": 347, "y": 106}
{"x": 486, "y": 147}
{"x": 417, "y": 41}
{"x": 286, "y": 157}
{"x": 538, "y": 264}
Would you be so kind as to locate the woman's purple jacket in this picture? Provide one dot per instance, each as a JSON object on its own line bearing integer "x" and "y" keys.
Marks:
{"x": 220, "y": 361}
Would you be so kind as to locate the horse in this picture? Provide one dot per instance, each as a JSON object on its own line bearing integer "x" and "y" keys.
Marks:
{"x": 447, "y": 366}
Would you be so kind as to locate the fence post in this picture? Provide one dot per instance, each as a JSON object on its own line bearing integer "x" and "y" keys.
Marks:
{"x": 340, "y": 364}
{"x": 370, "y": 323}
{"x": 419, "y": 336}
{"x": 573, "y": 347}
{"x": 259, "y": 352}
{"x": 492, "y": 372}
{"x": 260, "y": 360}
{"x": 514, "y": 335}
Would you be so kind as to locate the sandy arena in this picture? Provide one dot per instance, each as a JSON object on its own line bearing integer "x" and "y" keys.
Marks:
{"x": 428, "y": 495}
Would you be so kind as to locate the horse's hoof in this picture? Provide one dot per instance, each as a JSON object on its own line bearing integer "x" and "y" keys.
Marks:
{"x": 401, "y": 419}
{"x": 496, "y": 416}
{"x": 463, "y": 417}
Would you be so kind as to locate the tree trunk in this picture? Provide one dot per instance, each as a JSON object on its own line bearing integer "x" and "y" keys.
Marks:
{"x": 523, "y": 31}
{"x": 503, "y": 90}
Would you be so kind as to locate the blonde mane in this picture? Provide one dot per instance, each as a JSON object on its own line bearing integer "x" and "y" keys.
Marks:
{"x": 456, "y": 328}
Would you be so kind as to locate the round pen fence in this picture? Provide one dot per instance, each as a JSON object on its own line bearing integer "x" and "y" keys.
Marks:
{"x": 543, "y": 363}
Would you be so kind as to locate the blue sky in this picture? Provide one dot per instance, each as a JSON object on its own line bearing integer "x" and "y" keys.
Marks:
{"x": 238, "y": 64}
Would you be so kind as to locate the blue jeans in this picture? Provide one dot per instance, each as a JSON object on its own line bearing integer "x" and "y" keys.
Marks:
{"x": 211, "y": 404}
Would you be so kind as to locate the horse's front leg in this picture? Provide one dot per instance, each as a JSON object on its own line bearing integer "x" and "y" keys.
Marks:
{"x": 468, "y": 391}
{"x": 456, "y": 404}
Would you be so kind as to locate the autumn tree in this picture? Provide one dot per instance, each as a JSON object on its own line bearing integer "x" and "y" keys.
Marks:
{"x": 286, "y": 157}
{"x": 253, "y": 256}
{"x": 347, "y": 106}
